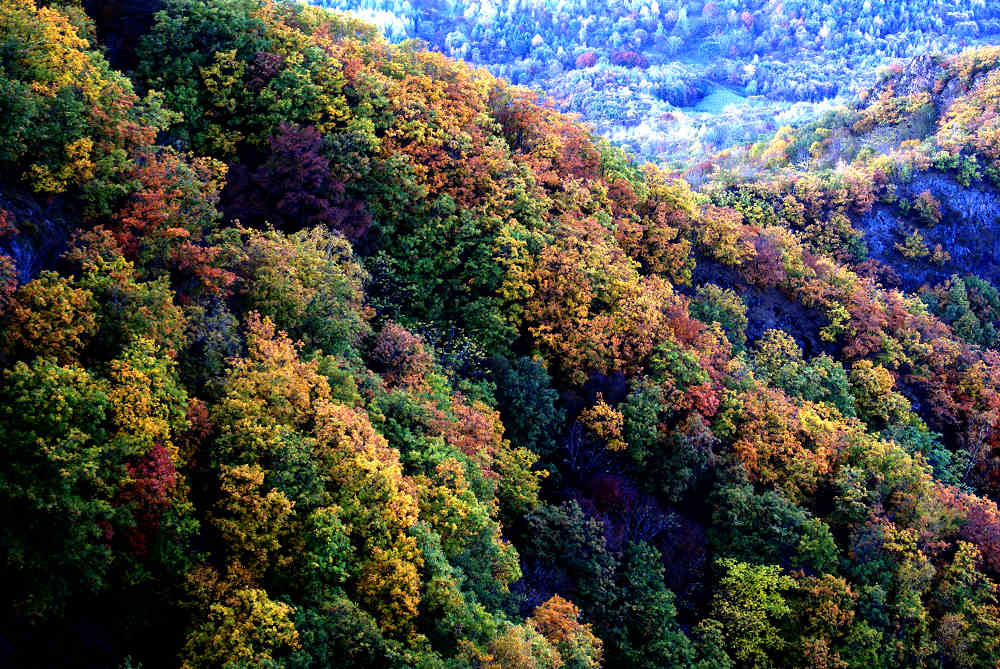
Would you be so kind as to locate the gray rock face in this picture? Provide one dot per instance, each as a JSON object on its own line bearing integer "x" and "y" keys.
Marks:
{"x": 969, "y": 231}
{"x": 768, "y": 308}
{"x": 43, "y": 232}
{"x": 921, "y": 75}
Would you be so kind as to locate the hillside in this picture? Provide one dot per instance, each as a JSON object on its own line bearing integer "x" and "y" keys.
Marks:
{"x": 320, "y": 351}
{"x": 672, "y": 80}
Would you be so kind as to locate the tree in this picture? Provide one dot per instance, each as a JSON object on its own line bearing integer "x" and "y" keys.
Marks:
{"x": 723, "y": 306}
{"x": 294, "y": 188}
{"x": 644, "y": 631}
{"x": 558, "y": 621}
{"x": 59, "y": 482}
{"x": 750, "y": 603}
{"x": 236, "y": 623}
{"x": 308, "y": 283}
{"x": 50, "y": 317}
{"x": 251, "y": 522}
{"x": 528, "y": 404}
{"x": 967, "y": 629}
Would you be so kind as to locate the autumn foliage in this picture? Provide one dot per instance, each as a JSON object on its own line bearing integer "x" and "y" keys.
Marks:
{"x": 375, "y": 360}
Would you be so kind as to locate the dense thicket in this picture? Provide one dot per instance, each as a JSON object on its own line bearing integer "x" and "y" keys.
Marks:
{"x": 318, "y": 351}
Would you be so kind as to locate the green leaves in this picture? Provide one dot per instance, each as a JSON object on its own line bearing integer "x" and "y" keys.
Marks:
{"x": 60, "y": 476}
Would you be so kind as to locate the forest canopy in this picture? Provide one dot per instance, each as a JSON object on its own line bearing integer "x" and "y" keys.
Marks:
{"x": 317, "y": 350}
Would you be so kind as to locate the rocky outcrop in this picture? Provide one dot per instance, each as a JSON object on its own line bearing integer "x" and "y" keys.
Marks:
{"x": 40, "y": 232}
{"x": 969, "y": 230}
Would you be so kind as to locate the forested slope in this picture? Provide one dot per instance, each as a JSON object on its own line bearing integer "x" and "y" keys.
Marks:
{"x": 319, "y": 351}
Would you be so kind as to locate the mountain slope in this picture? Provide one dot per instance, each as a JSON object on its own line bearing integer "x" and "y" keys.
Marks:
{"x": 319, "y": 351}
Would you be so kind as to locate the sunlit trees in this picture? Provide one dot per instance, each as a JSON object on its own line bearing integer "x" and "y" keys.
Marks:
{"x": 509, "y": 410}
{"x": 751, "y": 606}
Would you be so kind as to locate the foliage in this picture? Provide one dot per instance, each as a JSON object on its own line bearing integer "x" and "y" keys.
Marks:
{"x": 335, "y": 352}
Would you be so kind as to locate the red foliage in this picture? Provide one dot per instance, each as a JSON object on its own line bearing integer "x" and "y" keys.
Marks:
{"x": 265, "y": 67}
{"x": 629, "y": 59}
{"x": 400, "y": 356}
{"x": 7, "y": 226}
{"x": 294, "y": 189}
{"x": 613, "y": 494}
{"x": 199, "y": 261}
{"x": 152, "y": 480}
{"x": 585, "y": 60}
{"x": 767, "y": 269}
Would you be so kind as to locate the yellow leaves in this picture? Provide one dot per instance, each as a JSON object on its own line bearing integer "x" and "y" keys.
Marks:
{"x": 147, "y": 403}
{"x": 913, "y": 246}
{"x": 973, "y": 120}
{"x": 78, "y": 168}
{"x": 523, "y": 647}
{"x": 776, "y": 152}
{"x": 605, "y": 423}
{"x": 238, "y": 624}
{"x": 251, "y": 522}
{"x": 446, "y": 502}
{"x": 389, "y": 586}
{"x": 222, "y": 78}
{"x": 54, "y": 51}
{"x": 50, "y": 317}
{"x": 720, "y": 230}
{"x": 519, "y": 485}
{"x": 360, "y": 460}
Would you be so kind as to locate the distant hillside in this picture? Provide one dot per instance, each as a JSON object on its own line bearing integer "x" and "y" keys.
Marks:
{"x": 638, "y": 70}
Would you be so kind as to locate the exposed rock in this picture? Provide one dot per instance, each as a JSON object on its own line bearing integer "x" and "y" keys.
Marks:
{"x": 968, "y": 231}
{"x": 43, "y": 230}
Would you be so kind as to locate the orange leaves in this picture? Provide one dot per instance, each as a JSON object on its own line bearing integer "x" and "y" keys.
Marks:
{"x": 558, "y": 620}
{"x": 166, "y": 218}
{"x": 400, "y": 357}
{"x": 591, "y": 311}
{"x": 785, "y": 446}
{"x": 50, "y": 317}
{"x": 475, "y": 430}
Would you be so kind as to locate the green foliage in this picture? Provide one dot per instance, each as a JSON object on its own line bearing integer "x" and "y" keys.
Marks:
{"x": 491, "y": 395}
{"x": 778, "y": 359}
{"x": 713, "y": 304}
{"x": 59, "y": 480}
{"x": 970, "y": 305}
{"x": 527, "y": 404}
{"x": 308, "y": 283}
{"x": 649, "y": 635}
{"x": 71, "y": 122}
{"x": 768, "y": 529}
{"x": 751, "y": 606}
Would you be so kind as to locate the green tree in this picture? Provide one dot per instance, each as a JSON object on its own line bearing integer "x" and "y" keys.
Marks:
{"x": 58, "y": 483}
{"x": 750, "y": 603}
